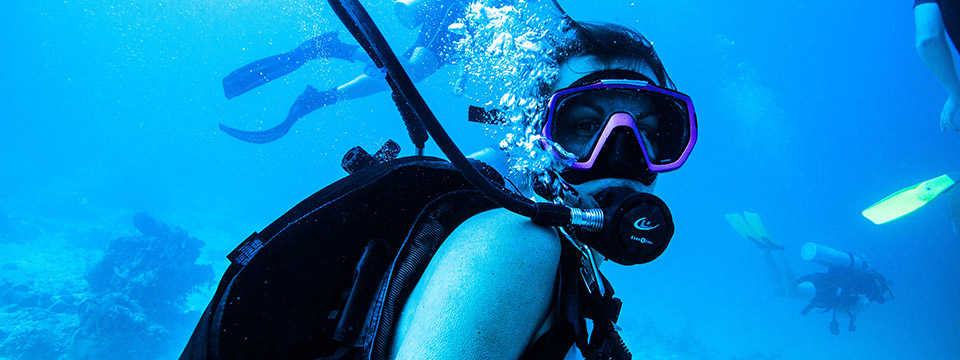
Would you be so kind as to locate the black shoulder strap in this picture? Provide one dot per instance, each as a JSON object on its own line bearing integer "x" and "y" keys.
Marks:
{"x": 434, "y": 224}
{"x": 283, "y": 293}
{"x": 568, "y": 325}
{"x": 575, "y": 304}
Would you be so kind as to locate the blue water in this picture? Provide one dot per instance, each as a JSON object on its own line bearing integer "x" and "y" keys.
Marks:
{"x": 809, "y": 112}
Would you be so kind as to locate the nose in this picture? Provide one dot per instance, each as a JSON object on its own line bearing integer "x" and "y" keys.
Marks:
{"x": 623, "y": 130}
{"x": 623, "y": 149}
{"x": 623, "y": 138}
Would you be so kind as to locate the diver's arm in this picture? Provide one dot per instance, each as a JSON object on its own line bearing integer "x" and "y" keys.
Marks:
{"x": 935, "y": 52}
{"x": 485, "y": 293}
{"x": 422, "y": 63}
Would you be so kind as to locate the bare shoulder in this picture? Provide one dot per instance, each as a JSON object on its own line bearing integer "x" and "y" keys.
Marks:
{"x": 510, "y": 235}
{"x": 485, "y": 293}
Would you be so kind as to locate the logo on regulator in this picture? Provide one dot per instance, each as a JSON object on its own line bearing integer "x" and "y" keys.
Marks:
{"x": 641, "y": 240}
{"x": 643, "y": 224}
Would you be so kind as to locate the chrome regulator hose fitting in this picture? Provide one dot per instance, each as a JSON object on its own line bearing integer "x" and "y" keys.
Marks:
{"x": 587, "y": 219}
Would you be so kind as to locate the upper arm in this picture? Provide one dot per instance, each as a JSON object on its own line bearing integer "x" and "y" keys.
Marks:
{"x": 485, "y": 292}
{"x": 929, "y": 22}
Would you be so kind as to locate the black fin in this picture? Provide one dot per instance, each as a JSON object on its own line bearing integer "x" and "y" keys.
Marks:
{"x": 484, "y": 116}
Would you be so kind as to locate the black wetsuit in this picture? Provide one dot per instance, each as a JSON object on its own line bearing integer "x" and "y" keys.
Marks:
{"x": 839, "y": 289}
{"x": 950, "y": 10}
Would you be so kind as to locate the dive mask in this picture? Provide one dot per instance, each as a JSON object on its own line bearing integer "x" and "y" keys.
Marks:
{"x": 589, "y": 121}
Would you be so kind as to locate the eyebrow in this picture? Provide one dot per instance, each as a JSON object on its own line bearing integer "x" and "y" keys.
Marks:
{"x": 578, "y": 101}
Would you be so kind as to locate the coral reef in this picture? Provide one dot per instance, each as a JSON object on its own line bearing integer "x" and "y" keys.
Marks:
{"x": 646, "y": 341}
{"x": 157, "y": 270}
{"x": 139, "y": 289}
{"x": 129, "y": 305}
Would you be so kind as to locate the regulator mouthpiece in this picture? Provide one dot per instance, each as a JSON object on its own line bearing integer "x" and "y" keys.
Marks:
{"x": 636, "y": 227}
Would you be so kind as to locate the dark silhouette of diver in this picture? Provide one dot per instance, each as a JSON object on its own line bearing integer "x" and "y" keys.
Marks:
{"x": 260, "y": 72}
{"x": 847, "y": 290}
{"x": 430, "y": 51}
{"x": 849, "y": 285}
{"x": 271, "y": 68}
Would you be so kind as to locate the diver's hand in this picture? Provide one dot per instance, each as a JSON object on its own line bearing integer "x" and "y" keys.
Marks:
{"x": 949, "y": 115}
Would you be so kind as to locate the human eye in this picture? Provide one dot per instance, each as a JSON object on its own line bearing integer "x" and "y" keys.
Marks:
{"x": 647, "y": 122}
{"x": 586, "y": 125}
{"x": 581, "y": 120}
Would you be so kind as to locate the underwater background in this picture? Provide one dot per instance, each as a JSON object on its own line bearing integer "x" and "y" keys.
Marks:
{"x": 120, "y": 196}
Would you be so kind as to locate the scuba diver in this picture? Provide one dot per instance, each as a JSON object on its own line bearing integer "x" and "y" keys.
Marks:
{"x": 935, "y": 19}
{"x": 421, "y": 258}
{"x": 431, "y": 50}
{"x": 614, "y": 109}
{"x": 848, "y": 286}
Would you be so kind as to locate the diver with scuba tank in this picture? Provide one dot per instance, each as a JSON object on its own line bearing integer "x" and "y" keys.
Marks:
{"x": 467, "y": 269}
{"x": 848, "y": 286}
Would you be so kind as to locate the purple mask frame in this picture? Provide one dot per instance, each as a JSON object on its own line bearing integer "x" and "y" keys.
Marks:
{"x": 622, "y": 119}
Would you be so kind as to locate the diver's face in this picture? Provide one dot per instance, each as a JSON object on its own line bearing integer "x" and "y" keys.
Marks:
{"x": 577, "y": 68}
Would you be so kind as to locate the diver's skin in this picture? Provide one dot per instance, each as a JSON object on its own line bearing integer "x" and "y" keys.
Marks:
{"x": 421, "y": 64}
{"x": 488, "y": 291}
{"x": 935, "y": 52}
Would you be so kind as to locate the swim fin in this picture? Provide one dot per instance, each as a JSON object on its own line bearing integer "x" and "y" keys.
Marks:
{"x": 754, "y": 223}
{"x": 909, "y": 199}
{"x": 311, "y": 99}
{"x": 271, "y": 68}
{"x": 740, "y": 225}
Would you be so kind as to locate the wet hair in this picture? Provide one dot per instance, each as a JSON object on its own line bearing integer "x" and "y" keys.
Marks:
{"x": 607, "y": 42}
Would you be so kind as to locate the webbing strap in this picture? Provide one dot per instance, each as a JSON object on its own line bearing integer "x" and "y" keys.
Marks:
{"x": 246, "y": 250}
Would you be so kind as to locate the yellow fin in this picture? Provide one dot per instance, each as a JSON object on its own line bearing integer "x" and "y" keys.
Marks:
{"x": 737, "y": 222}
{"x": 908, "y": 199}
{"x": 754, "y": 223}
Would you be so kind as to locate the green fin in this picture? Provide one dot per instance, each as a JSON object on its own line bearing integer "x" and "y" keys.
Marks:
{"x": 753, "y": 221}
{"x": 909, "y": 199}
{"x": 737, "y": 222}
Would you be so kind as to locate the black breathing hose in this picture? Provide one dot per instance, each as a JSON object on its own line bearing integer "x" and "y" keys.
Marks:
{"x": 356, "y": 19}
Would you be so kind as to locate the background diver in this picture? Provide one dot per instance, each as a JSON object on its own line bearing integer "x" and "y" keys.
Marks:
{"x": 432, "y": 49}
{"x": 849, "y": 285}
{"x": 935, "y": 19}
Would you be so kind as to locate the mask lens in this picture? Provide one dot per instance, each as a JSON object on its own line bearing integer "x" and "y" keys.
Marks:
{"x": 672, "y": 135}
{"x": 578, "y": 122}
{"x": 580, "y": 117}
